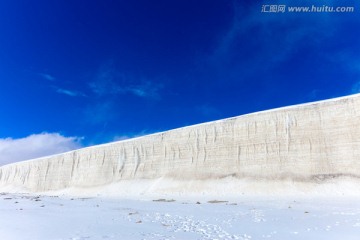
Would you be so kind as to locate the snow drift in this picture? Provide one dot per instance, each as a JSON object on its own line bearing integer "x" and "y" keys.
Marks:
{"x": 304, "y": 143}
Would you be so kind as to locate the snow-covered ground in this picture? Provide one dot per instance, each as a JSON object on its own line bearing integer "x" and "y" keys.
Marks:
{"x": 44, "y": 217}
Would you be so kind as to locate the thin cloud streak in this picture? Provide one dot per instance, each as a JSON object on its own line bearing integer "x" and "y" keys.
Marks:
{"x": 254, "y": 36}
{"x": 70, "y": 93}
{"x": 47, "y": 77}
{"x": 145, "y": 90}
{"x": 110, "y": 82}
{"x": 107, "y": 81}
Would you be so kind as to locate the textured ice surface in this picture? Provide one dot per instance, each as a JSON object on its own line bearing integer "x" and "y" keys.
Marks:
{"x": 305, "y": 143}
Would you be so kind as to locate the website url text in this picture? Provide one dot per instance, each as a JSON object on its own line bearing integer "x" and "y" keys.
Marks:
{"x": 312, "y": 9}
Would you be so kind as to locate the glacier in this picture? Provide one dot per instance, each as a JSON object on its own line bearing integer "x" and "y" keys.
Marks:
{"x": 311, "y": 142}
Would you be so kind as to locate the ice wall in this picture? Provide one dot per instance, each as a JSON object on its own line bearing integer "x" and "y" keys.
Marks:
{"x": 303, "y": 142}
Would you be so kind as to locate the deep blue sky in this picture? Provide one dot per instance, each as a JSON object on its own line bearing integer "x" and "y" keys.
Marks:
{"x": 106, "y": 70}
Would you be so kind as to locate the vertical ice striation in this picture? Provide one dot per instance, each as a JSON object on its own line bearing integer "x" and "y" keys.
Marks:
{"x": 297, "y": 142}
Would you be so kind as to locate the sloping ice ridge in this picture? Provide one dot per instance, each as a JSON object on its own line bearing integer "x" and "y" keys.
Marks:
{"x": 308, "y": 143}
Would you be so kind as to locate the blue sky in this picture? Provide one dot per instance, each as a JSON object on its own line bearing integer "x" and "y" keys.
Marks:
{"x": 98, "y": 71}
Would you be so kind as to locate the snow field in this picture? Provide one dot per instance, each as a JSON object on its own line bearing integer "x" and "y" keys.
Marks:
{"x": 45, "y": 217}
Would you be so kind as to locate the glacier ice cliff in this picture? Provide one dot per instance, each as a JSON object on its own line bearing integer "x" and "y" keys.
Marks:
{"x": 307, "y": 142}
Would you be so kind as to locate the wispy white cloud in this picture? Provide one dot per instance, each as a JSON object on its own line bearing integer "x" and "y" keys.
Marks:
{"x": 145, "y": 90}
{"x": 111, "y": 82}
{"x": 34, "y": 146}
{"x": 61, "y": 90}
{"x": 70, "y": 93}
{"x": 47, "y": 76}
{"x": 110, "y": 86}
{"x": 255, "y": 37}
{"x": 107, "y": 81}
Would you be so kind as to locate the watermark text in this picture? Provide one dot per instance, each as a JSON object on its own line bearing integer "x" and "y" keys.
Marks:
{"x": 307, "y": 9}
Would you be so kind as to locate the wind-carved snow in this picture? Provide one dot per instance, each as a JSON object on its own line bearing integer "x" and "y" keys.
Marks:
{"x": 306, "y": 143}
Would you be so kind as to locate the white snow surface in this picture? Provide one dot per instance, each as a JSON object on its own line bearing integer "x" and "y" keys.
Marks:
{"x": 29, "y": 217}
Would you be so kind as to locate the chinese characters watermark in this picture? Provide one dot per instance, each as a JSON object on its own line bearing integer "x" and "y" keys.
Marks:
{"x": 305, "y": 9}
